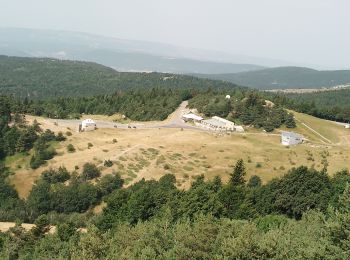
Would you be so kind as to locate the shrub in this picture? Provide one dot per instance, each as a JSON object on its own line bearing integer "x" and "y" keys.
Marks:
{"x": 70, "y": 148}
{"x": 60, "y": 137}
{"x": 36, "y": 162}
{"x": 68, "y": 133}
{"x": 90, "y": 145}
{"x": 56, "y": 176}
{"x": 90, "y": 171}
{"x": 254, "y": 181}
{"x": 108, "y": 163}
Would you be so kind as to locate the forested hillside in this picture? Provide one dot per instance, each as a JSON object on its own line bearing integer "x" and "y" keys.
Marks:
{"x": 140, "y": 105}
{"x": 285, "y": 77}
{"x": 38, "y": 78}
{"x": 244, "y": 107}
{"x": 302, "y": 215}
{"x": 332, "y": 105}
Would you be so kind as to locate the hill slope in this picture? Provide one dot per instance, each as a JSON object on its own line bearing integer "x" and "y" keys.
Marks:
{"x": 331, "y": 105}
{"x": 286, "y": 77}
{"x": 123, "y": 55}
{"x": 45, "y": 78}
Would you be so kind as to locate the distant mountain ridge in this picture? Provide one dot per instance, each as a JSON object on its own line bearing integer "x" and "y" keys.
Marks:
{"x": 123, "y": 55}
{"x": 285, "y": 78}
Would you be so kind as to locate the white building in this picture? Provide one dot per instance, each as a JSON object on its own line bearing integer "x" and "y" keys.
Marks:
{"x": 192, "y": 117}
{"x": 228, "y": 125}
{"x": 239, "y": 128}
{"x": 220, "y": 124}
{"x": 228, "y": 97}
{"x": 87, "y": 125}
{"x": 347, "y": 126}
{"x": 290, "y": 138}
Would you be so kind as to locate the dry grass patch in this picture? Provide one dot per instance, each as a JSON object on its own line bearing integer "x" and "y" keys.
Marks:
{"x": 187, "y": 152}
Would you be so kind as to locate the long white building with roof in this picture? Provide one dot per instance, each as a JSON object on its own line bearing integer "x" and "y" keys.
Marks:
{"x": 192, "y": 117}
{"x": 220, "y": 124}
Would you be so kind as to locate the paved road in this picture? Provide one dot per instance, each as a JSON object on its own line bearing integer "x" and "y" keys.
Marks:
{"x": 173, "y": 121}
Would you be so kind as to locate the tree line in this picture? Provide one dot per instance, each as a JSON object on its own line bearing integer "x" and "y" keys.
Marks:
{"x": 303, "y": 214}
{"x": 330, "y": 105}
{"x": 48, "y": 78}
{"x": 16, "y": 136}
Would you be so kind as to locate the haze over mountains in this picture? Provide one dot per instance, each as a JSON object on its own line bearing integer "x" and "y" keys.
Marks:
{"x": 120, "y": 54}
{"x": 132, "y": 55}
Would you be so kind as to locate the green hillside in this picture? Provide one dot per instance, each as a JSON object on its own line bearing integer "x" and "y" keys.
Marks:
{"x": 285, "y": 77}
{"x": 332, "y": 105}
{"x": 38, "y": 78}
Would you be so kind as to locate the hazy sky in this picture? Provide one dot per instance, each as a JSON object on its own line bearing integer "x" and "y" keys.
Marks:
{"x": 305, "y": 31}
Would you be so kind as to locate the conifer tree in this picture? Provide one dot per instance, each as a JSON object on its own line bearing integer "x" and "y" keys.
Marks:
{"x": 237, "y": 177}
{"x": 290, "y": 122}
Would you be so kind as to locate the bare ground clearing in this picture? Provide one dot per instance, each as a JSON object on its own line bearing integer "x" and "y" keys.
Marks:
{"x": 150, "y": 153}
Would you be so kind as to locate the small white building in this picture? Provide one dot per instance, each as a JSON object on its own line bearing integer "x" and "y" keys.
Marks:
{"x": 347, "y": 126}
{"x": 87, "y": 125}
{"x": 192, "y": 118}
{"x": 228, "y": 97}
{"x": 290, "y": 138}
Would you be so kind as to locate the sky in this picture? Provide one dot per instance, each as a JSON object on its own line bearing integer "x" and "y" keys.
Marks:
{"x": 302, "y": 31}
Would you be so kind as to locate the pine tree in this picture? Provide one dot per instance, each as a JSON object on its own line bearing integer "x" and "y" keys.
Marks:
{"x": 237, "y": 177}
{"x": 290, "y": 122}
{"x": 344, "y": 200}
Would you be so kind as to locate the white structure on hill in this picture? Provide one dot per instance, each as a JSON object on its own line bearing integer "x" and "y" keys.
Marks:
{"x": 239, "y": 128}
{"x": 220, "y": 124}
{"x": 228, "y": 97}
{"x": 290, "y": 138}
{"x": 87, "y": 125}
{"x": 347, "y": 126}
{"x": 192, "y": 117}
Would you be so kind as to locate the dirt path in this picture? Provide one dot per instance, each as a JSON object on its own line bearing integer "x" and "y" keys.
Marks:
{"x": 115, "y": 157}
{"x": 317, "y": 133}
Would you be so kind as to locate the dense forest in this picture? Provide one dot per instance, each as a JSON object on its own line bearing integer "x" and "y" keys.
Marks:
{"x": 18, "y": 137}
{"x": 244, "y": 107}
{"x": 42, "y": 78}
{"x": 304, "y": 214}
{"x": 71, "y": 88}
{"x": 140, "y": 105}
{"x": 331, "y": 105}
